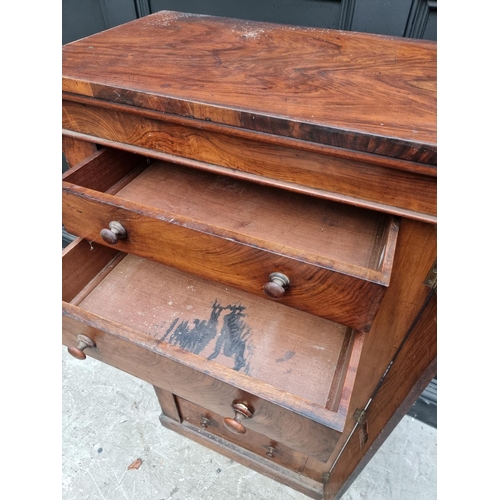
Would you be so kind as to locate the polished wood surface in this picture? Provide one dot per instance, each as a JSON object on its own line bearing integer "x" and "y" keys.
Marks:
{"x": 318, "y": 85}
{"x": 400, "y": 389}
{"x": 106, "y": 170}
{"x": 415, "y": 254}
{"x": 337, "y": 236}
{"x": 264, "y": 340}
{"x": 215, "y": 133}
{"x": 76, "y": 150}
{"x": 139, "y": 324}
{"x": 338, "y": 258}
{"x": 127, "y": 351}
{"x": 257, "y": 443}
{"x": 361, "y": 180}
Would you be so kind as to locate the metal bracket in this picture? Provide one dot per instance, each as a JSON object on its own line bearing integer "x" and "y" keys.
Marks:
{"x": 359, "y": 416}
{"x": 431, "y": 278}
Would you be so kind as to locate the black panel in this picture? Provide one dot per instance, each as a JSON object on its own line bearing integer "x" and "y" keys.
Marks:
{"x": 422, "y": 20}
{"x": 81, "y": 19}
{"x": 430, "y": 31}
{"x": 383, "y": 17}
{"x": 119, "y": 11}
{"x": 316, "y": 13}
{"x": 84, "y": 18}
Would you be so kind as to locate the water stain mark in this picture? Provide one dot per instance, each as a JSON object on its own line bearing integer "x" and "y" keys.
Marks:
{"x": 232, "y": 332}
{"x": 286, "y": 357}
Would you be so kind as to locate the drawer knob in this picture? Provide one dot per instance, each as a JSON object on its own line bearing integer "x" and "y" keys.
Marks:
{"x": 116, "y": 231}
{"x": 205, "y": 422}
{"x": 83, "y": 343}
{"x": 241, "y": 411}
{"x": 276, "y": 286}
{"x": 270, "y": 452}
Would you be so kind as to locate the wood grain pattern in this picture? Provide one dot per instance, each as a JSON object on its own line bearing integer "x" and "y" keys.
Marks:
{"x": 263, "y": 216}
{"x": 356, "y": 182}
{"x": 81, "y": 263}
{"x": 415, "y": 254}
{"x": 240, "y": 331}
{"x": 253, "y": 135}
{"x": 105, "y": 170}
{"x": 259, "y": 231}
{"x": 342, "y": 298}
{"x": 129, "y": 333}
{"x": 168, "y": 404}
{"x": 252, "y": 441}
{"x": 339, "y": 116}
{"x": 257, "y": 215}
{"x": 403, "y": 385}
{"x": 76, "y": 150}
{"x": 325, "y": 86}
{"x": 119, "y": 347}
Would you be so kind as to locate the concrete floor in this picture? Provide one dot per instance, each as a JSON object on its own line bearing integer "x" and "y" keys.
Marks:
{"x": 111, "y": 418}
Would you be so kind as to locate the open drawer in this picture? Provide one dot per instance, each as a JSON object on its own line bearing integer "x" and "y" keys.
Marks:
{"x": 329, "y": 259}
{"x": 215, "y": 346}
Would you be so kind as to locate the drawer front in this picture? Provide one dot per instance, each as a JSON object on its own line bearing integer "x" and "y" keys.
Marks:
{"x": 208, "y": 421}
{"x": 153, "y": 362}
{"x": 195, "y": 247}
{"x": 363, "y": 180}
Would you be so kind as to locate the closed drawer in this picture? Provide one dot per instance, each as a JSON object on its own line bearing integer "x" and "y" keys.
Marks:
{"x": 207, "y": 421}
{"x": 329, "y": 259}
{"x": 213, "y": 345}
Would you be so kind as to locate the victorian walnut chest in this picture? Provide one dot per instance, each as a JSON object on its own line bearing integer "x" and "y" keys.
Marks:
{"x": 255, "y": 206}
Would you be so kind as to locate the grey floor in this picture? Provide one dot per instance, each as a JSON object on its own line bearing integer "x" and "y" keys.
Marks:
{"x": 110, "y": 419}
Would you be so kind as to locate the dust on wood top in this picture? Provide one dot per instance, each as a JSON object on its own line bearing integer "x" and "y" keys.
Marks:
{"x": 357, "y": 91}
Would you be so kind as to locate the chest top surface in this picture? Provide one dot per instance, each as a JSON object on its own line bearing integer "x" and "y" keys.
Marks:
{"x": 361, "y": 92}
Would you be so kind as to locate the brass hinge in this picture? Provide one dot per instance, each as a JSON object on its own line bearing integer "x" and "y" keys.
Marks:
{"x": 432, "y": 276}
{"x": 359, "y": 416}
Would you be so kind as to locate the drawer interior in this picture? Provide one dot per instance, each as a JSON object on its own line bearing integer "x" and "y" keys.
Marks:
{"x": 262, "y": 343}
{"x": 336, "y": 236}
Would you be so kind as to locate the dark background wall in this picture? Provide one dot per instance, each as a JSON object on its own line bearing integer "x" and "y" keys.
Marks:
{"x": 408, "y": 18}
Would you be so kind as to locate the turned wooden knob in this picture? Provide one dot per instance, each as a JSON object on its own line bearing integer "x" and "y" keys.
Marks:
{"x": 241, "y": 411}
{"x": 83, "y": 343}
{"x": 276, "y": 286}
{"x": 115, "y": 232}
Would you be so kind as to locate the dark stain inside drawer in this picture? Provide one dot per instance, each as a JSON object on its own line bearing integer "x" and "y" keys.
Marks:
{"x": 293, "y": 351}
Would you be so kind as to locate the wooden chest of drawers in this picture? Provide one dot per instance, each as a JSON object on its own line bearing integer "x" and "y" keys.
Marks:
{"x": 256, "y": 213}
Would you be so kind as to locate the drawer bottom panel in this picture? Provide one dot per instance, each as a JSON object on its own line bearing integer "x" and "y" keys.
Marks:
{"x": 296, "y": 373}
